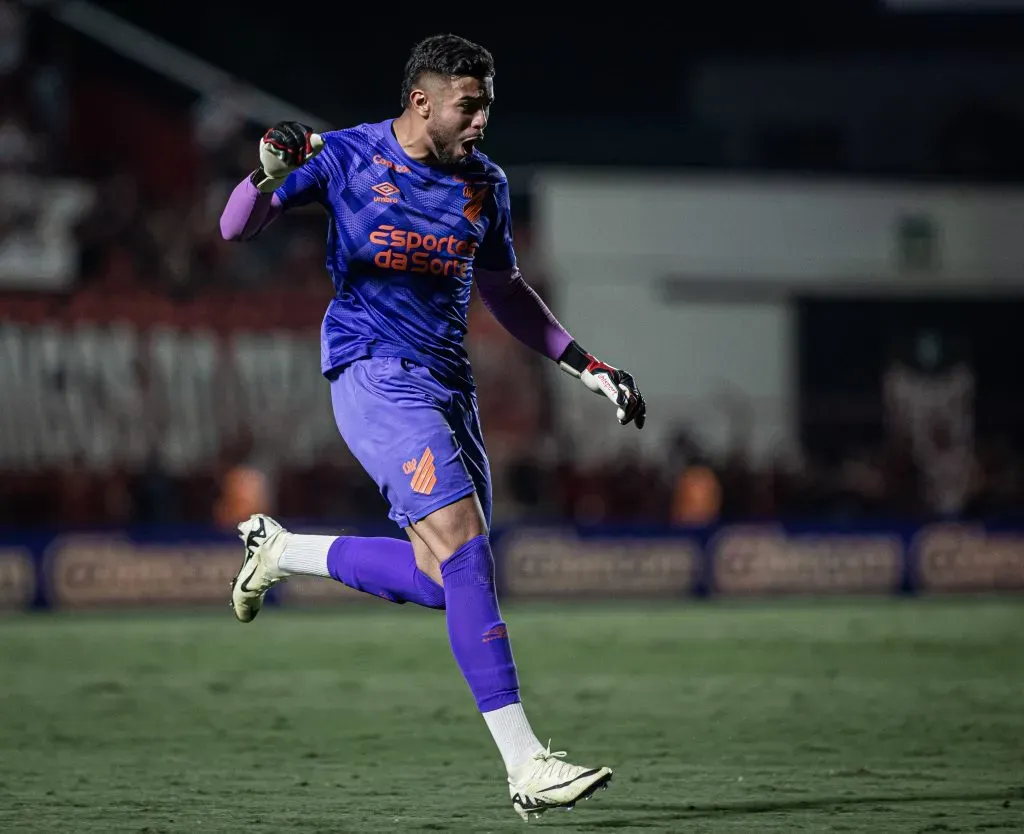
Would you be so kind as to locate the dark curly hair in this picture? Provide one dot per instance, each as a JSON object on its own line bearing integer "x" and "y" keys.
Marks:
{"x": 445, "y": 55}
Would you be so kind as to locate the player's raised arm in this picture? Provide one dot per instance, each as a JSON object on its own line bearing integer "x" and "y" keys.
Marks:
{"x": 254, "y": 204}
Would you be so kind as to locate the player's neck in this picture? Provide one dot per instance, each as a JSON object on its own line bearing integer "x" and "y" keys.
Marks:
{"x": 413, "y": 138}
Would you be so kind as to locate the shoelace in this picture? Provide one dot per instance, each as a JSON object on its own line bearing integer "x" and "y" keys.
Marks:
{"x": 555, "y": 767}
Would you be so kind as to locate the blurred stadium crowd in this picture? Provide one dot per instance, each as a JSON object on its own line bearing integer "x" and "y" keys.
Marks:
{"x": 149, "y": 252}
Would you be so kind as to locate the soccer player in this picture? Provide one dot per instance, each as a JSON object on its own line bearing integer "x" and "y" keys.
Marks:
{"x": 416, "y": 214}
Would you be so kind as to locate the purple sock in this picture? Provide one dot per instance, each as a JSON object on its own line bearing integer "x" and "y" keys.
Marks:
{"x": 477, "y": 634}
{"x": 383, "y": 567}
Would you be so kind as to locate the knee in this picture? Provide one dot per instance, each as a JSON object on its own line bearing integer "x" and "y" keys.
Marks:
{"x": 448, "y": 530}
{"x": 470, "y": 564}
{"x": 426, "y": 561}
{"x": 459, "y": 544}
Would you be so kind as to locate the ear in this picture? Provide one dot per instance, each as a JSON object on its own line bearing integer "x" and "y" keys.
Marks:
{"x": 420, "y": 102}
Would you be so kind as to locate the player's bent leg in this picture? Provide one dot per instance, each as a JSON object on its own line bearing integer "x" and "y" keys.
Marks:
{"x": 538, "y": 779}
{"x": 384, "y": 567}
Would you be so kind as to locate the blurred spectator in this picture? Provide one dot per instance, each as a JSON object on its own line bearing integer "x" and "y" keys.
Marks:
{"x": 244, "y": 491}
{"x": 245, "y": 485}
{"x": 697, "y": 498}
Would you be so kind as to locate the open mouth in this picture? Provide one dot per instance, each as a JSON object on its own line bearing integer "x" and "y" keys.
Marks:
{"x": 469, "y": 144}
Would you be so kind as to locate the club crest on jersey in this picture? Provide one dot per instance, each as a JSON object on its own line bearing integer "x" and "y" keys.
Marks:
{"x": 475, "y": 196}
{"x": 386, "y": 192}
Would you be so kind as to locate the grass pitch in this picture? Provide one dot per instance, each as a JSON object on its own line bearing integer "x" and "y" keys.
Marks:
{"x": 837, "y": 715}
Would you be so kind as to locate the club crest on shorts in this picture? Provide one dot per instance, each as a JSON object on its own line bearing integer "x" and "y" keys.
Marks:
{"x": 424, "y": 476}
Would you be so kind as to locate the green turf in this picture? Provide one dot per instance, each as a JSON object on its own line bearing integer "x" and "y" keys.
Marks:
{"x": 874, "y": 716}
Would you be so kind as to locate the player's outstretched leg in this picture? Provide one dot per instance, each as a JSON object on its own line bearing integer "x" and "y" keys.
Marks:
{"x": 538, "y": 779}
{"x": 382, "y": 566}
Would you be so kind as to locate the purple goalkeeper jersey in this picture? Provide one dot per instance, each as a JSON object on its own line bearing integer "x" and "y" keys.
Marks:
{"x": 402, "y": 242}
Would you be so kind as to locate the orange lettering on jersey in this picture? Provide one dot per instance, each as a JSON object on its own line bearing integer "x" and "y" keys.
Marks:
{"x": 398, "y": 168}
{"x": 408, "y": 250}
{"x": 380, "y": 235}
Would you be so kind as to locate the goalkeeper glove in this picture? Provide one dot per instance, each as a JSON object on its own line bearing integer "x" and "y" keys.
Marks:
{"x": 616, "y": 384}
{"x": 284, "y": 148}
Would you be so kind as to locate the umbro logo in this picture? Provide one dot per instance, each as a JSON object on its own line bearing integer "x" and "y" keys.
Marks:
{"x": 387, "y": 192}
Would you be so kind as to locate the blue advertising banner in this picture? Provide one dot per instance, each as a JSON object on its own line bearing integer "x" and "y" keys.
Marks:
{"x": 78, "y": 570}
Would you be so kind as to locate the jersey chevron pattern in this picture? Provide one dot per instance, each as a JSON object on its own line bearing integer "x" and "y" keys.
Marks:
{"x": 402, "y": 242}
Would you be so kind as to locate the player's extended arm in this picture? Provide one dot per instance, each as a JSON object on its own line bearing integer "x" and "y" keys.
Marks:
{"x": 518, "y": 308}
{"x": 248, "y": 211}
{"x": 253, "y": 205}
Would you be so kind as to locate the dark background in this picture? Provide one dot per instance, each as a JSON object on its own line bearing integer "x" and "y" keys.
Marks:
{"x": 838, "y": 90}
{"x": 574, "y": 84}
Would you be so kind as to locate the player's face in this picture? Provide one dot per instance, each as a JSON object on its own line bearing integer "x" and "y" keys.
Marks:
{"x": 458, "y": 118}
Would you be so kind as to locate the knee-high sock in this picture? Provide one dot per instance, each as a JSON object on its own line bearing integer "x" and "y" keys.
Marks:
{"x": 478, "y": 636}
{"x": 383, "y": 567}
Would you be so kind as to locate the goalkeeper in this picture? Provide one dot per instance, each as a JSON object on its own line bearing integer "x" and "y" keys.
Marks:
{"x": 415, "y": 214}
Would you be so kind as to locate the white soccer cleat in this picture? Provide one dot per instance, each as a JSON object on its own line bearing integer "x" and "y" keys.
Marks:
{"x": 264, "y": 541}
{"x": 547, "y": 782}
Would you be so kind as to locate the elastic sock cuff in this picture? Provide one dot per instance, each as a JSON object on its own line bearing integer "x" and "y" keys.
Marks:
{"x": 471, "y": 564}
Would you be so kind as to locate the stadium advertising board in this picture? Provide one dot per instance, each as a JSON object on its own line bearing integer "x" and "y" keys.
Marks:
{"x": 193, "y": 567}
{"x": 768, "y": 560}
{"x": 101, "y": 571}
{"x": 538, "y": 563}
{"x": 967, "y": 558}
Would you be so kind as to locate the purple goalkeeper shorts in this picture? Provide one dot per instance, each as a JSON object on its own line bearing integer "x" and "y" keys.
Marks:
{"x": 417, "y": 438}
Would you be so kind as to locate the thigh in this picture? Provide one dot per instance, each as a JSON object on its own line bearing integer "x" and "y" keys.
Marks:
{"x": 465, "y": 420}
{"x": 396, "y": 424}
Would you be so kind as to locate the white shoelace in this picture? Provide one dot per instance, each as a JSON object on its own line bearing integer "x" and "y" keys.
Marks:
{"x": 555, "y": 767}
